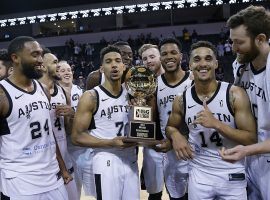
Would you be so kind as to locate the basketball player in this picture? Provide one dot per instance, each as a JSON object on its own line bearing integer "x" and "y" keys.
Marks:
{"x": 104, "y": 109}
{"x": 249, "y": 32}
{"x": 81, "y": 157}
{"x": 96, "y": 77}
{"x": 29, "y": 169}
{"x": 151, "y": 58}
{"x": 5, "y": 64}
{"x": 212, "y": 110}
{"x": 60, "y": 113}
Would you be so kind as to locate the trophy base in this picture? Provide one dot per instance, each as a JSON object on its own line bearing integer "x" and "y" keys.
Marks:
{"x": 142, "y": 142}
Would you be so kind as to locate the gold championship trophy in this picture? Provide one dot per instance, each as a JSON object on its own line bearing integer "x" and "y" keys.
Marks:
{"x": 140, "y": 83}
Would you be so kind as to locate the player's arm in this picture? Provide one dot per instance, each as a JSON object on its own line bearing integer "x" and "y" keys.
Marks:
{"x": 93, "y": 80}
{"x": 4, "y": 107}
{"x": 245, "y": 133}
{"x": 180, "y": 144}
{"x": 240, "y": 151}
{"x": 82, "y": 120}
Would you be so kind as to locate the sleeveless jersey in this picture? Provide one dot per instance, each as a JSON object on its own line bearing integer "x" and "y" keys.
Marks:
{"x": 59, "y": 98}
{"x": 255, "y": 84}
{"x": 76, "y": 93}
{"x": 27, "y": 141}
{"x": 111, "y": 115}
{"x": 206, "y": 142}
{"x": 165, "y": 96}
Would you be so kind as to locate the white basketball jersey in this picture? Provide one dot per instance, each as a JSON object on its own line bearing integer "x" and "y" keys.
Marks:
{"x": 59, "y": 98}
{"x": 76, "y": 93}
{"x": 255, "y": 84}
{"x": 207, "y": 141}
{"x": 165, "y": 96}
{"x": 111, "y": 115}
{"x": 27, "y": 141}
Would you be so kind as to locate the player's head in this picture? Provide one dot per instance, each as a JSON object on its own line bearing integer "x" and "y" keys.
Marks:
{"x": 50, "y": 64}
{"x": 65, "y": 72}
{"x": 5, "y": 64}
{"x": 151, "y": 57}
{"x": 111, "y": 63}
{"x": 203, "y": 61}
{"x": 26, "y": 56}
{"x": 249, "y": 32}
{"x": 170, "y": 54}
{"x": 126, "y": 52}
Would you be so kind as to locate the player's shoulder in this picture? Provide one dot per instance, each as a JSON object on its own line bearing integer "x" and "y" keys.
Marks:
{"x": 4, "y": 101}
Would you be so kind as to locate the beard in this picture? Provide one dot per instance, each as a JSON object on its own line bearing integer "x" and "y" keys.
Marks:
{"x": 30, "y": 72}
{"x": 249, "y": 56}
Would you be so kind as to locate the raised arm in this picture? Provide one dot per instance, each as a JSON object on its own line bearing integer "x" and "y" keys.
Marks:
{"x": 180, "y": 145}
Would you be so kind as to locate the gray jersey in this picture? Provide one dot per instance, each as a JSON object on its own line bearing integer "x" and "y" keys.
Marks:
{"x": 165, "y": 96}
{"x": 27, "y": 141}
{"x": 206, "y": 142}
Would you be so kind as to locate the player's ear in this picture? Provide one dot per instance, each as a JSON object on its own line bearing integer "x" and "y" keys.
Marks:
{"x": 101, "y": 69}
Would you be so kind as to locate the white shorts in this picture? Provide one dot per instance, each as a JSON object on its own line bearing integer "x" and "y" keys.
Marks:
{"x": 85, "y": 172}
{"x": 176, "y": 175}
{"x": 153, "y": 168}
{"x": 258, "y": 175}
{"x": 59, "y": 193}
{"x": 116, "y": 176}
{"x": 198, "y": 190}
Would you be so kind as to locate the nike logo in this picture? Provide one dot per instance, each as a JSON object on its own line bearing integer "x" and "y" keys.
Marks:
{"x": 162, "y": 89}
{"x": 18, "y": 96}
{"x": 104, "y": 99}
{"x": 191, "y": 106}
{"x": 268, "y": 161}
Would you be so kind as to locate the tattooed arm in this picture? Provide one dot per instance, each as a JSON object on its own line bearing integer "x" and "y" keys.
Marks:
{"x": 82, "y": 120}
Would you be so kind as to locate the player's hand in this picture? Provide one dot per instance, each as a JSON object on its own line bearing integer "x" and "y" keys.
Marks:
{"x": 64, "y": 110}
{"x": 182, "y": 148}
{"x": 66, "y": 176}
{"x": 164, "y": 146}
{"x": 205, "y": 117}
{"x": 119, "y": 143}
{"x": 234, "y": 154}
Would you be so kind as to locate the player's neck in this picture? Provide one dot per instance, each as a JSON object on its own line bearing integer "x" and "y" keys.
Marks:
{"x": 207, "y": 90}
{"x": 113, "y": 87}
{"x": 65, "y": 85}
{"x": 21, "y": 81}
{"x": 260, "y": 61}
{"x": 45, "y": 79}
{"x": 174, "y": 78}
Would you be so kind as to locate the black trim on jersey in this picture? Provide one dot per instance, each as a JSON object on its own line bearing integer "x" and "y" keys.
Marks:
{"x": 109, "y": 94}
{"x": 228, "y": 99}
{"x": 98, "y": 186}
{"x": 186, "y": 76}
{"x": 92, "y": 124}
{"x": 256, "y": 72}
{"x": 197, "y": 99}
{"x": 32, "y": 92}
{"x": 4, "y": 128}
{"x": 9, "y": 101}
{"x": 46, "y": 93}
{"x": 55, "y": 90}
{"x": 4, "y": 197}
{"x": 64, "y": 94}
{"x": 184, "y": 104}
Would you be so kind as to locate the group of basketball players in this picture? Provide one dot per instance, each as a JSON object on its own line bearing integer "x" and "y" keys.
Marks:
{"x": 205, "y": 127}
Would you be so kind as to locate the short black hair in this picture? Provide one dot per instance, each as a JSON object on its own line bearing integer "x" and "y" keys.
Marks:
{"x": 170, "y": 40}
{"x": 5, "y": 58}
{"x": 17, "y": 44}
{"x": 108, "y": 49}
{"x": 45, "y": 49}
{"x": 202, "y": 43}
{"x": 121, "y": 43}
